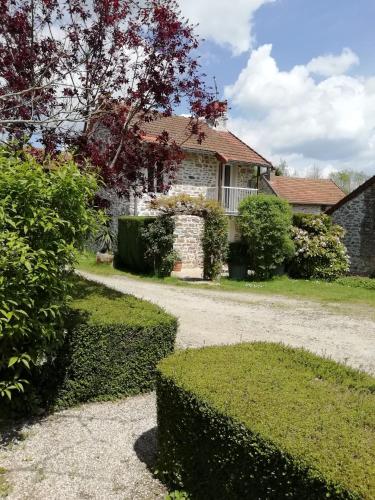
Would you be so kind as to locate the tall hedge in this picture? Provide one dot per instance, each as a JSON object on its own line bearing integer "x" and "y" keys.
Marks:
{"x": 131, "y": 243}
{"x": 265, "y": 421}
{"x": 265, "y": 223}
{"x": 113, "y": 345}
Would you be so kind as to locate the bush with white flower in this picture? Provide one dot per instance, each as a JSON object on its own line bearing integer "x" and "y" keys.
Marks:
{"x": 319, "y": 250}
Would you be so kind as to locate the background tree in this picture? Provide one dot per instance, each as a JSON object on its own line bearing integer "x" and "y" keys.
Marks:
{"x": 348, "y": 180}
{"x": 67, "y": 66}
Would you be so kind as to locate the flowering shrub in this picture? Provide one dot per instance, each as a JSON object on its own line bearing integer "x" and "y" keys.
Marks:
{"x": 319, "y": 250}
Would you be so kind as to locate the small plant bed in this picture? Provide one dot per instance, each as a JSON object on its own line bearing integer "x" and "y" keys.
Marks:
{"x": 113, "y": 345}
{"x": 265, "y": 421}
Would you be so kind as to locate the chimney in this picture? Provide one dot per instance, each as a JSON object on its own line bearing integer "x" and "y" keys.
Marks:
{"x": 220, "y": 119}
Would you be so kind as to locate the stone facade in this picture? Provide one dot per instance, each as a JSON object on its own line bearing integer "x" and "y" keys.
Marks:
{"x": 188, "y": 242}
{"x": 357, "y": 217}
{"x": 307, "y": 209}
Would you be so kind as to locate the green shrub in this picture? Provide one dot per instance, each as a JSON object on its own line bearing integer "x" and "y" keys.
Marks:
{"x": 265, "y": 222}
{"x": 265, "y": 421}
{"x": 131, "y": 245}
{"x": 44, "y": 216}
{"x": 158, "y": 238}
{"x": 319, "y": 250}
{"x": 357, "y": 282}
{"x": 113, "y": 345}
{"x": 214, "y": 242}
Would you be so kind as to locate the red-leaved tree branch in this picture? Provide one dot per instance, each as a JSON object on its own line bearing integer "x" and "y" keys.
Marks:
{"x": 71, "y": 68}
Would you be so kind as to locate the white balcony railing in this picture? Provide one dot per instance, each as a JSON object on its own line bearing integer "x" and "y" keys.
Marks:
{"x": 230, "y": 197}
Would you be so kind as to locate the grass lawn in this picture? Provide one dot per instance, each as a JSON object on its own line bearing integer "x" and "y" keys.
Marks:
{"x": 301, "y": 289}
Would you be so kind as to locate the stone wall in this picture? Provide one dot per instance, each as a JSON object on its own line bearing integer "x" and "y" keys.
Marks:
{"x": 188, "y": 243}
{"x": 357, "y": 217}
{"x": 307, "y": 209}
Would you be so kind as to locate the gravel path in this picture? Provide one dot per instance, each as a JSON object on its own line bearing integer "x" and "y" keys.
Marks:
{"x": 209, "y": 317}
{"x": 96, "y": 451}
{"x": 100, "y": 451}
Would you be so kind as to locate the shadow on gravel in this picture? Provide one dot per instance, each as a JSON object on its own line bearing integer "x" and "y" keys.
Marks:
{"x": 146, "y": 448}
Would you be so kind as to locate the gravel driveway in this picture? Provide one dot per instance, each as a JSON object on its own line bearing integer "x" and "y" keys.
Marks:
{"x": 209, "y": 317}
{"x": 97, "y": 451}
{"x": 100, "y": 451}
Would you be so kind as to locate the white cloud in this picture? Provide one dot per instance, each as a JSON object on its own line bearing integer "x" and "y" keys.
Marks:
{"x": 329, "y": 122}
{"x": 226, "y": 22}
{"x": 330, "y": 64}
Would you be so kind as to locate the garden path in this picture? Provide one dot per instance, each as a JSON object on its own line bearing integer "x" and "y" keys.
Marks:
{"x": 211, "y": 317}
{"x": 100, "y": 450}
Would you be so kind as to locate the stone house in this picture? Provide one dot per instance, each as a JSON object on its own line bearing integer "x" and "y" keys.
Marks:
{"x": 356, "y": 214}
{"x": 221, "y": 168}
{"x": 312, "y": 196}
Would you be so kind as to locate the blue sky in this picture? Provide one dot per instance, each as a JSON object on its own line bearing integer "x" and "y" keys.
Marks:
{"x": 299, "y": 76}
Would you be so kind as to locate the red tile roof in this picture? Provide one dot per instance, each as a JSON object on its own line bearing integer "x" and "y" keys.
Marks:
{"x": 225, "y": 144}
{"x": 352, "y": 195}
{"x": 306, "y": 191}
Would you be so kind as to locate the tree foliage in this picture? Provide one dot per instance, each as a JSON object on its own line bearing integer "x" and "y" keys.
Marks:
{"x": 265, "y": 222}
{"x": 319, "y": 250}
{"x": 348, "y": 180}
{"x": 69, "y": 67}
{"x": 44, "y": 216}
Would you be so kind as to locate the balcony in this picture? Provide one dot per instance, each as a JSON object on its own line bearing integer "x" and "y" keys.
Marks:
{"x": 230, "y": 197}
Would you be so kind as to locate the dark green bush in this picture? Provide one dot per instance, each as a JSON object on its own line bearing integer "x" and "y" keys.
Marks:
{"x": 238, "y": 253}
{"x": 265, "y": 421}
{"x": 265, "y": 223}
{"x": 319, "y": 250}
{"x": 214, "y": 241}
{"x": 131, "y": 245}
{"x": 113, "y": 345}
{"x": 158, "y": 238}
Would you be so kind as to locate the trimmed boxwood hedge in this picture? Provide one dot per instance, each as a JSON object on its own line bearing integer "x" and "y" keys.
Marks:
{"x": 264, "y": 421}
{"x": 113, "y": 345}
{"x": 131, "y": 246}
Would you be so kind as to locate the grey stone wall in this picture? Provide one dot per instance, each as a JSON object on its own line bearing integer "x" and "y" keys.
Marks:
{"x": 357, "y": 217}
{"x": 188, "y": 242}
{"x": 306, "y": 209}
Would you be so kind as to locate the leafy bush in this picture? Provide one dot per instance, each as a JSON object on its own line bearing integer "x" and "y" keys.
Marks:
{"x": 319, "y": 250}
{"x": 265, "y": 223}
{"x": 158, "y": 238}
{"x": 265, "y": 421}
{"x": 357, "y": 282}
{"x": 112, "y": 348}
{"x": 215, "y": 235}
{"x": 214, "y": 242}
{"x": 131, "y": 244}
{"x": 44, "y": 216}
